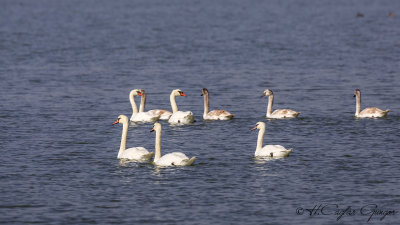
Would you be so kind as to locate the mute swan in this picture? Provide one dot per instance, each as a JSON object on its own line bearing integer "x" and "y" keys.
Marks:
{"x": 279, "y": 113}
{"x": 161, "y": 113}
{"x": 273, "y": 151}
{"x": 170, "y": 159}
{"x": 140, "y": 116}
{"x": 136, "y": 153}
{"x": 179, "y": 117}
{"x": 215, "y": 114}
{"x": 367, "y": 112}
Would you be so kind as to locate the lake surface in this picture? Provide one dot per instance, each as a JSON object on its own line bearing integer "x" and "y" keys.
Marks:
{"x": 67, "y": 68}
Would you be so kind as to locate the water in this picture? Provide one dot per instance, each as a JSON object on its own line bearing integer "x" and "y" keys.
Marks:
{"x": 67, "y": 68}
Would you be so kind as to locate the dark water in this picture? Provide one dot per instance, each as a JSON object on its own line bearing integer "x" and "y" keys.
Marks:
{"x": 67, "y": 68}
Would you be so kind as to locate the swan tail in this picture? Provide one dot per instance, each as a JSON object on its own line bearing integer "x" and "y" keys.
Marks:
{"x": 386, "y": 111}
{"x": 148, "y": 156}
{"x": 230, "y": 116}
{"x": 296, "y": 114}
{"x": 190, "y": 161}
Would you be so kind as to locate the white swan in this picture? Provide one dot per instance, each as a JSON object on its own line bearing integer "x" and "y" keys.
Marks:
{"x": 170, "y": 159}
{"x": 136, "y": 153}
{"x": 161, "y": 113}
{"x": 371, "y": 112}
{"x": 273, "y": 151}
{"x": 140, "y": 116}
{"x": 279, "y": 113}
{"x": 179, "y": 117}
{"x": 215, "y": 114}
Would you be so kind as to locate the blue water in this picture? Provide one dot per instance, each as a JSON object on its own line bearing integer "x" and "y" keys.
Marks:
{"x": 67, "y": 67}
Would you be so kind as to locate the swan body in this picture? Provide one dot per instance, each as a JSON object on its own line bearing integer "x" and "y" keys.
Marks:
{"x": 272, "y": 151}
{"x": 279, "y": 113}
{"x": 175, "y": 159}
{"x": 215, "y": 114}
{"x": 140, "y": 116}
{"x": 179, "y": 117}
{"x": 170, "y": 159}
{"x": 371, "y": 112}
{"x": 155, "y": 113}
{"x": 136, "y": 153}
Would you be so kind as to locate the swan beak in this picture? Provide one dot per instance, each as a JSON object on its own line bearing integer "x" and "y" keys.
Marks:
{"x": 201, "y": 95}
{"x": 117, "y": 121}
{"x": 152, "y": 130}
{"x": 254, "y": 128}
{"x": 139, "y": 93}
{"x": 262, "y": 95}
{"x": 182, "y": 94}
{"x": 354, "y": 96}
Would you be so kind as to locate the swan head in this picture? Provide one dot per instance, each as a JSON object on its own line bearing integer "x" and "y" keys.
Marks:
{"x": 204, "y": 92}
{"x": 156, "y": 127}
{"x": 135, "y": 92}
{"x": 141, "y": 92}
{"x": 267, "y": 92}
{"x": 259, "y": 126}
{"x": 357, "y": 92}
{"x": 177, "y": 92}
{"x": 121, "y": 119}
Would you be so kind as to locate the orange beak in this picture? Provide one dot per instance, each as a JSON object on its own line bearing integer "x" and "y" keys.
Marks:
{"x": 139, "y": 93}
{"x": 254, "y": 128}
{"x": 182, "y": 94}
{"x": 117, "y": 121}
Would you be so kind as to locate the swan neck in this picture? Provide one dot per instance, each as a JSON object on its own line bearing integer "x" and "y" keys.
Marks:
{"x": 206, "y": 104}
{"x": 260, "y": 138}
{"x": 270, "y": 103}
{"x": 173, "y": 103}
{"x": 158, "y": 145}
{"x": 122, "y": 147}
{"x": 142, "y": 102}
{"x": 133, "y": 104}
{"x": 358, "y": 104}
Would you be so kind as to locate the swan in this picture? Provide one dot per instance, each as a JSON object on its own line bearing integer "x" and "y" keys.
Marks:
{"x": 179, "y": 117}
{"x": 215, "y": 114}
{"x": 161, "y": 113}
{"x": 170, "y": 159}
{"x": 371, "y": 112}
{"x": 273, "y": 151}
{"x": 138, "y": 116}
{"x": 279, "y": 113}
{"x": 136, "y": 153}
